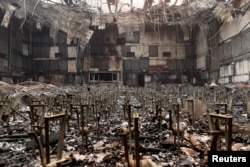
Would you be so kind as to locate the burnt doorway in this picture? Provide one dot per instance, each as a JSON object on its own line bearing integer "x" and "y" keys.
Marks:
{"x": 141, "y": 81}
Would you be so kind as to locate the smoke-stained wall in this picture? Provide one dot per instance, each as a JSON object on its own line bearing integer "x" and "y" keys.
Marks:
{"x": 148, "y": 54}
{"x": 4, "y": 49}
{"x": 230, "y": 51}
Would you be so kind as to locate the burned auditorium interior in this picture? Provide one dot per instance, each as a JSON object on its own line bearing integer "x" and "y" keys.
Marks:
{"x": 124, "y": 83}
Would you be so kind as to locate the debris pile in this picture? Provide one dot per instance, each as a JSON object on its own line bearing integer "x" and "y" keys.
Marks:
{"x": 108, "y": 125}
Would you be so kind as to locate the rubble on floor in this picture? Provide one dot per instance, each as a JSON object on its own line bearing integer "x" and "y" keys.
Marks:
{"x": 97, "y": 119}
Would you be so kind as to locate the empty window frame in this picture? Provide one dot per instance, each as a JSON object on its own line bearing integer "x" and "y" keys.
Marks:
{"x": 58, "y": 55}
{"x": 130, "y": 54}
{"x": 153, "y": 50}
{"x": 103, "y": 77}
{"x": 120, "y": 41}
{"x": 166, "y": 54}
{"x": 107, "y": 39}
{"x": 3, "y": 56}
{"x": 135, "y": 39}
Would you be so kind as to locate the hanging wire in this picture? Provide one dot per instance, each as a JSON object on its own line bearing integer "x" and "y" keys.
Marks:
{"x": 158, "y": 28}
{"x": 217, "y": 31}
{"x": 55, "y": 30}
{"x": 25, "y": 14}
{"x": 38, "y": 1}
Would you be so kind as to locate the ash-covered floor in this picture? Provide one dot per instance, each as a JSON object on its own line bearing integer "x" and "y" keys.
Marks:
{"x": 106, "y": 118}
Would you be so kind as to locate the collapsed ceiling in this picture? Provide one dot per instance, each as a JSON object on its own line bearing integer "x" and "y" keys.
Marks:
{"x": 75, "y": 16}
